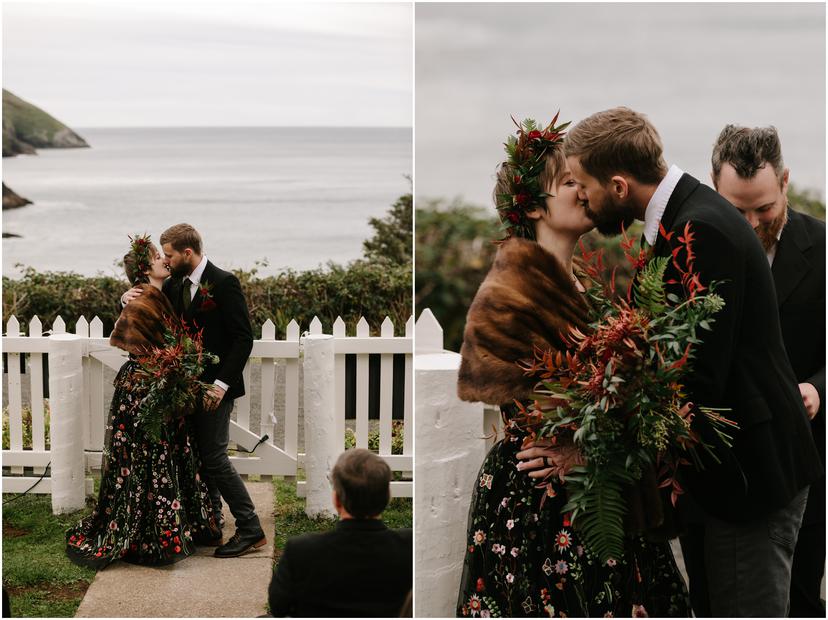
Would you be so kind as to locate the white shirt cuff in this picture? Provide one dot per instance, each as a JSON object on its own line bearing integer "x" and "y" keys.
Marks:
{"x": 221, "y": 384}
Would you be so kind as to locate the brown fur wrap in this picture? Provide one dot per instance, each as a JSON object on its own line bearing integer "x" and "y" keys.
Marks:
{"x": 526, "y": 300}
{"x": 142, "y": 322}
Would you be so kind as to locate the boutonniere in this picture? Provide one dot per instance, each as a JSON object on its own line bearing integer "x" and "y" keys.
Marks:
{"x": 207, "y": 301}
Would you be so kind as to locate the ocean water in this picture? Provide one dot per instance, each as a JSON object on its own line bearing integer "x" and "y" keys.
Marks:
{"x": 295, "y": 197}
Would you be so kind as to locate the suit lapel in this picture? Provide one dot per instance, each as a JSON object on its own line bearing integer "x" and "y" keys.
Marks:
{"x": 683, "y": 189}
{"x": 790, "y": 264}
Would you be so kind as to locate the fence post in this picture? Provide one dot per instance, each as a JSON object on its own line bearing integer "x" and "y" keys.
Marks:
{"x": 450, "y": 449}
{"x": 66, "y": 431}
{"x": 321, "y": 445}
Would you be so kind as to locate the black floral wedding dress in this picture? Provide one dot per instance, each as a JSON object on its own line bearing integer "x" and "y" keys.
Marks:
{"x": 152, "y": 506}
{"x": 523, "y": 558}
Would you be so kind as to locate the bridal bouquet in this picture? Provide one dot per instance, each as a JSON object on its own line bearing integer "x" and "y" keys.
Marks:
{"x": 615, "y": 393}
{"x": 168, "y": 377}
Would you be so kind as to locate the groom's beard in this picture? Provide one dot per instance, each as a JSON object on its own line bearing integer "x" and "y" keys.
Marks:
{"x": 610, "y": 216}
{"x": 180, "y": 271}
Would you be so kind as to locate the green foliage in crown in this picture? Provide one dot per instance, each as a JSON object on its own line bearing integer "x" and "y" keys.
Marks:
{"x": 527, "y": 151}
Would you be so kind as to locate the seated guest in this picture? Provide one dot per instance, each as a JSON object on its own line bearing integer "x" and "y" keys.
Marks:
{"x": 361, "y": 567}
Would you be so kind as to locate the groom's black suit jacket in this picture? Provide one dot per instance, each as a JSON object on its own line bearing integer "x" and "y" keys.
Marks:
{"x": 225, "y": 321}
{"x": 799, "y": 275}
{"x": 741, "y": 365}
{"x": 359, "y": 569}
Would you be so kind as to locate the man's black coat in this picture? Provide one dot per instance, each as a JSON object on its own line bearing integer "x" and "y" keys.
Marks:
{"x": 799, "y": 274}
{"x": 220, "y": 310}
{"x": 359, "y": 569}
{"x": 741, "y": 365}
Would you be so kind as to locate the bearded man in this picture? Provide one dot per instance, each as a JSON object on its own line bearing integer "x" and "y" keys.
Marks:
{"x": 749, "y": 171}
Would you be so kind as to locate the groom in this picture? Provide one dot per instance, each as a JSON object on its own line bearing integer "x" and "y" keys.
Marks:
{"x": 211, "y": 300}
{"x": 753, "y": 501}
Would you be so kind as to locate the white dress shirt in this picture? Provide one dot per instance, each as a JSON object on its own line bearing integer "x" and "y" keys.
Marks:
{"x": 195, "y": 281}
{"x": 657, "y": 204}
{"x": 195, "y": 276}
{"x": 772, "y": 252}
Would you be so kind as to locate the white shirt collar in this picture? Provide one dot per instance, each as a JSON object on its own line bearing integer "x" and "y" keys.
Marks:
{"x": 657, "y": 204}
{"x": 195, "y": 276}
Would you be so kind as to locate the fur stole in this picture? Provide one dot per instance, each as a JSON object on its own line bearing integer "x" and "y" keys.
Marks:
{"x": 143, "y": 321}
{"x": 526, "y": 300}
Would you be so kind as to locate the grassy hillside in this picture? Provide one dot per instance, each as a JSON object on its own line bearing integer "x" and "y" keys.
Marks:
{"x": 26, "y": 127}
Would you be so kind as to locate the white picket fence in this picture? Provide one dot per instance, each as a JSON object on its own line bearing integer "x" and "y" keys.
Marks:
{"x": 87, "y": 397}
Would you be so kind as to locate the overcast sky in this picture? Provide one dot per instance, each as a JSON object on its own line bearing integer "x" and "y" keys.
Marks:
{"x": 690, "y": 68}
{"x": 124, "y": 64}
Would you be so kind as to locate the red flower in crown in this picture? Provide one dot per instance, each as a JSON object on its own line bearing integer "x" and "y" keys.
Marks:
{"x": 513, "y": 217}
{"x": 534, "y": 135}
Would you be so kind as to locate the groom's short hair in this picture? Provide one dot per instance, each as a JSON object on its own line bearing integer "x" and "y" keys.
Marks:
{"x": 362, "y": 482}
{"x": 616, "y": 141}
{"x": 181, "y": 237}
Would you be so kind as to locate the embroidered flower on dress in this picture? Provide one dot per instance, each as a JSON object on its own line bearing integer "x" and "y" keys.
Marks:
{"x": 479, "y": 537}
{"x": 561, "y": 567}
{"x": 510, "y": 524}
{"x": 611, "y": 562}
{"x": 510, "y": 577}
{"x": 486, "y": 481}
{"x": 175, "y": 504}
{"x": 563, "y": 540}
{"x": 515, "y": 552}
{"x": 474, "y": 604}
{"x": 638, "y": 611}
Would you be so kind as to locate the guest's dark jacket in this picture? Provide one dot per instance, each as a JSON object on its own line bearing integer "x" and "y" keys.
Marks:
{"x": 359, "y": 569}
{"x": 220, "y": 310}
{"x": 799, "y": 274}
{"x": 741, "y": 365}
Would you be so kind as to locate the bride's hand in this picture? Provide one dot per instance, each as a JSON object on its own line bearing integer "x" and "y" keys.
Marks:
{"x": 541, "y": 459}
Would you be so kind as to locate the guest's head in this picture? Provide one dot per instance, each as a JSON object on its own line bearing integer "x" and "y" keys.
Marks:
{"x": 614, "y": 156}
{"x": 143, "y": 263}
{"x": 181, "y": 245}
{"x": 748, "y": 170}
{"x": 361, "y": 484}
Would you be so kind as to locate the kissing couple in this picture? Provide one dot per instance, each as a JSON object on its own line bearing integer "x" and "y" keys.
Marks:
{"x": 158, "y": 499}
{"x": 525, "y": 555}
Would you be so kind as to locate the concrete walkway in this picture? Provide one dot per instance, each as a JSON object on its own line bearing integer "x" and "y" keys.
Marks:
{"x": 198, "y": 586}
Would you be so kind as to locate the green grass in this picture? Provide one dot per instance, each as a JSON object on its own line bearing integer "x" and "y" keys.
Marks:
{"x": 292, "y": 520}
{"x": 40, "y": 579}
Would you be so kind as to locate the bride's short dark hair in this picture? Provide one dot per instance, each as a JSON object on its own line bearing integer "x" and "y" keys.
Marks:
{"x": 547, "y": 179}
{"x": 133, "y": 273}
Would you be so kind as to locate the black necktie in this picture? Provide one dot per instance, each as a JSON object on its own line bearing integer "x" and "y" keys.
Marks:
{"x": 185, "y": 293}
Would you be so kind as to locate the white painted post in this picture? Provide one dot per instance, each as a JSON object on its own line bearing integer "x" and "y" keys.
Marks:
{"x": 386, "y": 390}
{"x": 322, "y": 446}
{"x": 363, "y": 330}
{"x": 450, "y": 450}
{"x": 339, "y": 332}
{"x": 15, "y": 396}
{"x": 66, "y": 404}
{"x": 36, "y": 387}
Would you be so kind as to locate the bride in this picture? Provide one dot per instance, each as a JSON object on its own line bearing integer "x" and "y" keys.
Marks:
{"x": 152, "y": 507}
{"x": 523, "y": 557}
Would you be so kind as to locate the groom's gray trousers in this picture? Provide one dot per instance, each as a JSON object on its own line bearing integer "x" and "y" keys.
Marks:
{"x": 747, "y": 565}
{"x": 212, "y": 429}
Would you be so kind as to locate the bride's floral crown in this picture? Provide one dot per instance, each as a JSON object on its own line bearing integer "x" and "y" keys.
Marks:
{"x": 527, "y": 151}
{"x": 140, "y": 252}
